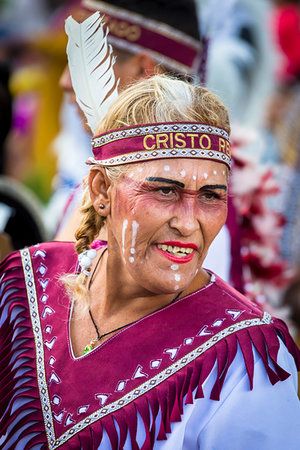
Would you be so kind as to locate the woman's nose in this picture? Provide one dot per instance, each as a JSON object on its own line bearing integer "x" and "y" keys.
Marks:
{"x": 185, "y": 217}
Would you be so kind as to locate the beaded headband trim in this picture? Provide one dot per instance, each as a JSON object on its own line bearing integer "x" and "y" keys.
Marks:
{"x": 131, "y": 31}
{"x": 159, "y": 141}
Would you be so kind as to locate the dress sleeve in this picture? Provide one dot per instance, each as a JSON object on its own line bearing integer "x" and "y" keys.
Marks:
{"x": 266, "y": 418}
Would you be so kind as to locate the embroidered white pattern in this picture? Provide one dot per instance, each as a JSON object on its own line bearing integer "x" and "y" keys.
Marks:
{"x": 161, "y": 154}
{"x": 38, "y": 338}
{"x": 127, "y": 398}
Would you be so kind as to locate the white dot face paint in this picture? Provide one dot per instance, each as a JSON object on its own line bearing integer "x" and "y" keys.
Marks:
{"x": 131, "y": 174}
{"x": 177, "y": 277}
{"x": 125, "y": 224}
{"x": 194, "y": 177}
{"x": 132, "y": 251}
{"x": 167, "y": 168}
{"x": 174, "y": 266}
{"x": 205, "y": 175}
{"x": 182, "y": 173}
{"x": 176, "y": 287}
{"x": 224, "y": 172}
{"x": 140, "y": 169}
{"x": 131, "y": 259}
{"x": 215, "y": 172}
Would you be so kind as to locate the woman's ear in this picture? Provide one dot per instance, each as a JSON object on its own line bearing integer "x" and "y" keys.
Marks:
{"x": 99, "y": 187}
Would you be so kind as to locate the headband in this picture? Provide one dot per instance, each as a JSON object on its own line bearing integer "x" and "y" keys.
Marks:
{"x": 133, "y": 32}
{"x": 161, "y": 140}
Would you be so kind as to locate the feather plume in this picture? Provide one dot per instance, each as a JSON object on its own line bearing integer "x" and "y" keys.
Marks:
{"x": 91, "y": 67}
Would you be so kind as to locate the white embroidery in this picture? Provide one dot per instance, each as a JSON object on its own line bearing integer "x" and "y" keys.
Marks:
{"x": 48, "y": 329}
{"x": 218, "y": 322}
{"x": 54, "y": 378}
{"x": 172, "y": 352}
{"x": 44, "y": 283}
{"x": 203, "y": 331}
{"x": 234, "y": 313}
{"x": 51, "y": 361}
{"x": 42, "y": 269}
{"x": 38, "y": 338}
{"x": 188, "y": 341}
{"x": 102, "y": 398}
{"x": 59, "y": 417}
{"x": 69, "y": 420}
{"x": 47, "y": 311}
{"x": 154, "y": 364}
{"x": 56, "y": 400}
{"x": 83, "y": 409}
{"x": 40, "y": 253}
{"x": 49, "y": 344}
{"x": 44, "y": 298}
{"x": 121, "y": 386}
{"x": 138, "y": 373}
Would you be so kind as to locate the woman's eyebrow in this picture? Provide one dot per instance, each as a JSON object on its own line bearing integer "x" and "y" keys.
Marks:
{"x": 165, "y": 180}
{"x": 214, "y": 186}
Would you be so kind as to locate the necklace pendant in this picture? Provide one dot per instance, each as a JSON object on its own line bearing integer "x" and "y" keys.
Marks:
{"x": 89, "y": 347}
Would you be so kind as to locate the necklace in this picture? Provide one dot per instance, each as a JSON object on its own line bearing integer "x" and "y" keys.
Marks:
{"x": 92, "y": 343}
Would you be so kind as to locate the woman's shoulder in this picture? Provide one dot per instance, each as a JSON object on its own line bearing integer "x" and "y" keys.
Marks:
{"x": 50, "y": 251}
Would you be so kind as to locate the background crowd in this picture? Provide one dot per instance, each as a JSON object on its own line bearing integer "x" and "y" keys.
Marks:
{"x": 253, "y": 64}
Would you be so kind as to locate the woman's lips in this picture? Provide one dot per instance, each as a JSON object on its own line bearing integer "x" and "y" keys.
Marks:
{"x": 185, "y": 252}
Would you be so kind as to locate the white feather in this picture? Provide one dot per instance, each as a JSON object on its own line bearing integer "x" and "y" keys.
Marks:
{"x": 91, "y": 67}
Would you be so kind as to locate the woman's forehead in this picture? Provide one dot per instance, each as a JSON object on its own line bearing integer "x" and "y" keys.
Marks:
{"x": 179, "y": 167}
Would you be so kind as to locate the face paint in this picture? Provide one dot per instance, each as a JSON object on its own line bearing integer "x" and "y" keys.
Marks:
{"x": 125, "y": 224}
{"x": 164, "y": 223}
{"x": 182, "y": 173}
{"x": 215, "y": 172}
{"x": 135, "y": 227}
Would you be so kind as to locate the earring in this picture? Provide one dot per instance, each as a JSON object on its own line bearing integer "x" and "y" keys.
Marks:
{"x": 101, "y": 206}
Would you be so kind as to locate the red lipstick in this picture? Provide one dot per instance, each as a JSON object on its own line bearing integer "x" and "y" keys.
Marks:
{"x": 174, "y": 258}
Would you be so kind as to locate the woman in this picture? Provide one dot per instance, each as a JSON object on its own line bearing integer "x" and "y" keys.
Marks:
{"x": 147, "y": 349}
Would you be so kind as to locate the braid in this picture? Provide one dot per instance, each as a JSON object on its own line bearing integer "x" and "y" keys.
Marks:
{"x": 89, "y": 228}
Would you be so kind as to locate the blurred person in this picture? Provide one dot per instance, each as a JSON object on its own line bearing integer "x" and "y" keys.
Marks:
{"x": 158, "y": 48}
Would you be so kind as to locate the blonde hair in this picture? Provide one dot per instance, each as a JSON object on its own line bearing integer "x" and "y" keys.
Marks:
{"x": 160, "y": 98}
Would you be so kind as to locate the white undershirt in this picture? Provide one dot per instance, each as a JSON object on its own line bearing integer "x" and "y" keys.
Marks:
{"x": 266, "y": 418}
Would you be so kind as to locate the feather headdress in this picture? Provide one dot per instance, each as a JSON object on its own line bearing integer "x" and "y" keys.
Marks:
{"x": 91, "y": 67}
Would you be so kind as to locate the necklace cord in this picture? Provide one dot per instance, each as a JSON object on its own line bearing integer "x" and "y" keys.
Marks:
{"x": 100, "y": 336}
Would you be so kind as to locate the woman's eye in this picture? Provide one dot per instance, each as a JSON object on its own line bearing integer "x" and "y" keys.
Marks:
{"x": 210, "y": 195}
{"x": 166, "y": 191}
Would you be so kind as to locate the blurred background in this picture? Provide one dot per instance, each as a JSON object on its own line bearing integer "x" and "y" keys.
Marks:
{"x": 253, "y": 64}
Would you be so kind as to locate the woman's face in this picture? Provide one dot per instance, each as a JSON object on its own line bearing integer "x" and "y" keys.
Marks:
{"x": 164, "y": 216}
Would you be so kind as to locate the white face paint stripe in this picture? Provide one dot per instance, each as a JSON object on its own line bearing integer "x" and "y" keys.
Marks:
{"x": 135, "y": 227}
{"x": 125, "y": 224}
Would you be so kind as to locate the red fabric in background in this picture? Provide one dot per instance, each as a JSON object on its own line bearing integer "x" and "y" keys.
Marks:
{"x": 286, "y": 28}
